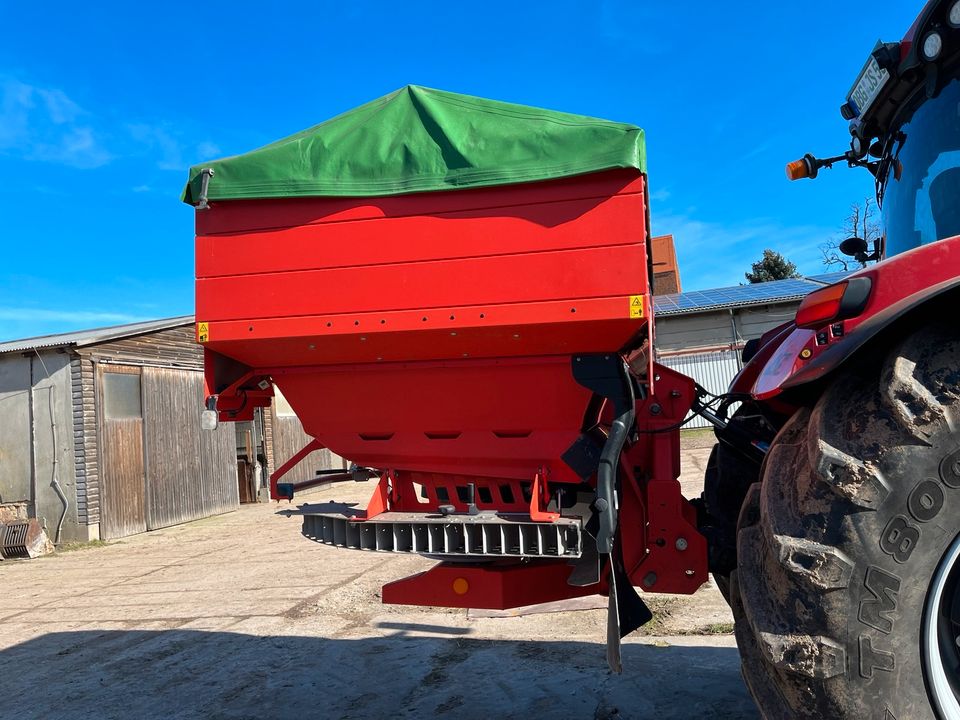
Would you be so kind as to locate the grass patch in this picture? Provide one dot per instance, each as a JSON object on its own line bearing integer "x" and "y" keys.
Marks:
{"x": 723, "y": 628}
{"x": 666, "y": 609}
{"x": 662, "y": 609}
{"x": 696, "y": 433}
{"x": 89, "y": 545}
{"x": 697, "y": 438}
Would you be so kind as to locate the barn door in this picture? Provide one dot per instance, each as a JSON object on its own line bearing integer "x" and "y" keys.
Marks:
{"x": 122, "y": 480}
{"x": 191, "y": 473}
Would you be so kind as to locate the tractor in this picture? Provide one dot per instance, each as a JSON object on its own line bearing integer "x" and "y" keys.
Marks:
{"x": 841, "y": 564}
{"x": 455, "y": 294}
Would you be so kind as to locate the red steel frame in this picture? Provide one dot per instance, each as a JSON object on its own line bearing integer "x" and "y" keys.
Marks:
{"x": 662, "y": 549}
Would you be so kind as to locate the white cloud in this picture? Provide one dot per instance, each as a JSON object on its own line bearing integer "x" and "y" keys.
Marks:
{"x": 16, "y": 102}
{"x": 44, "y": 124}
{"x": 168, "y": 147}
{"x": 157, "y": 138}
{"x": 77, "y": 147}
{"x": 60, "y": 108}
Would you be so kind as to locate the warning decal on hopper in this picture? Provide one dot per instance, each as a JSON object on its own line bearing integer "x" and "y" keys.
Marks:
{"x": 203, "y": 332}
{"x": 636, "y": 306}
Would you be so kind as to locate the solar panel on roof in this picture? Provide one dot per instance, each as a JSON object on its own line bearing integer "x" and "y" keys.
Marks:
{"x": 715, "y": 298}
{"x": 829, "y": 278}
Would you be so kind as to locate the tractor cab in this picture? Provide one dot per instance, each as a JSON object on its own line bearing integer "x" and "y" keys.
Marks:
{"x": 904, "y": 114}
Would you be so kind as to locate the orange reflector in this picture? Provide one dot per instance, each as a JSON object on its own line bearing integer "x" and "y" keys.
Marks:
{"x": 797, "y": 170}
{"x": 820, "y": 307}
{"x": 460, "y": 586}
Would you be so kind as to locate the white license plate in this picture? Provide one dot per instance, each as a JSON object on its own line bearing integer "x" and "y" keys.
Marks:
{"x": 868, "y": 86}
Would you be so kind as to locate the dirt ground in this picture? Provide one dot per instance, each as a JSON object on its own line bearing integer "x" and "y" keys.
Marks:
{"x": 239, "y": 616}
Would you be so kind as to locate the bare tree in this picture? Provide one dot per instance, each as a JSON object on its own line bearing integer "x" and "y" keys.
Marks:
{"x": 862, "y": 222}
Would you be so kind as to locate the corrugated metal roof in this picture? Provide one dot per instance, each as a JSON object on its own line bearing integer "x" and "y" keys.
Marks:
{"x": 81, "y": 338}
{"x": 775, "y": 291}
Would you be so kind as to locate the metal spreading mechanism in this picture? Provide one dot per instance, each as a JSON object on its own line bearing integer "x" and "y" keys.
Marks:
{"x": 447, "y": 538}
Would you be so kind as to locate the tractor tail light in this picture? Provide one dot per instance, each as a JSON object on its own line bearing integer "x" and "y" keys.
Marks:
{"x": 844, "y": 300}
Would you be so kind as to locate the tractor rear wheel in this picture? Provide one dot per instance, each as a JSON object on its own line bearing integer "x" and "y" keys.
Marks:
{"x": 847, "y": 589}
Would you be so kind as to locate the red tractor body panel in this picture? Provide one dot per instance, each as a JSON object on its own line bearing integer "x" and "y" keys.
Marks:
{"x": 796, "y": 356}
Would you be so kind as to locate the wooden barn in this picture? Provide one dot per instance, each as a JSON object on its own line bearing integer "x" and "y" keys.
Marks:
{"x": 100, "y": 434}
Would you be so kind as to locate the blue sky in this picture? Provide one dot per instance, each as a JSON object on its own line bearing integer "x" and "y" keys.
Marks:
{"x": 103, "y": 106}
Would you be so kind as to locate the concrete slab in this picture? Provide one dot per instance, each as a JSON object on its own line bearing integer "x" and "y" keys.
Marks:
{"x": 240, "y": 617}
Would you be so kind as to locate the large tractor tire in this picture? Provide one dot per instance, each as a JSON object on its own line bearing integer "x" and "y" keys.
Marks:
{"x": 847, "y": 589}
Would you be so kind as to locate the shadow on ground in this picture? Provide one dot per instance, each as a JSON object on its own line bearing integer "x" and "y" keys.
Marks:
{"x": 195, "y": 674}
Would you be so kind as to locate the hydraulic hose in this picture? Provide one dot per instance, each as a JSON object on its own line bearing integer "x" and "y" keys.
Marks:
{"x": 606, "y": 501}
{"x": 608, "y": 376}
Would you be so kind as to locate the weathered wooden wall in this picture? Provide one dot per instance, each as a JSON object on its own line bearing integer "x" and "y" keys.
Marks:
{"x": 86, "y": 458}
{"x": 173, "y": 347}
{"x": 218, "y": 466}
{"x": 123, "y": 481}
{"x": 287, "y": 438}
{"x": 124, "y": 475}
{"x": 190, "y": 473}
{"x": 187, "y": 473}
{"x": 171, "y": 448}
{"x": 124, "y": 504}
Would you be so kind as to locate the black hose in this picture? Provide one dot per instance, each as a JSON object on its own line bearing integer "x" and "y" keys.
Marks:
{"x": 606, "y": 502}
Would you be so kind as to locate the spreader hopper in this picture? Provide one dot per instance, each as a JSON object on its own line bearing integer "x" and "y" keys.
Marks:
{"x": 451, "y": 293}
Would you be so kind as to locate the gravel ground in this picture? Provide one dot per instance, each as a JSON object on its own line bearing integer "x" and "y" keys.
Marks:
{"x": 239, "y": 616}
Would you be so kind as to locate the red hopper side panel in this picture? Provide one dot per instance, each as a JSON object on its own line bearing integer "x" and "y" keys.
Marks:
{"x": 429, "y": 332}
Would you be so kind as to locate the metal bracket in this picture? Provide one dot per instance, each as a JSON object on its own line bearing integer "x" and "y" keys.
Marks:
{"x": 380, "y": 500}
{"x": 205, "y": 175}
{"x": 539, "y": 500}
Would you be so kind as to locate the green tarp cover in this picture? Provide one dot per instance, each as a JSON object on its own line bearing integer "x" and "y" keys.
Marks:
{"x": 421, "y": 140}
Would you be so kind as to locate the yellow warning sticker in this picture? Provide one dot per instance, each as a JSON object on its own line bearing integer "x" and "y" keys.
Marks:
{"x": 203, "y": 332}
{"x": 636, "y": 306}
